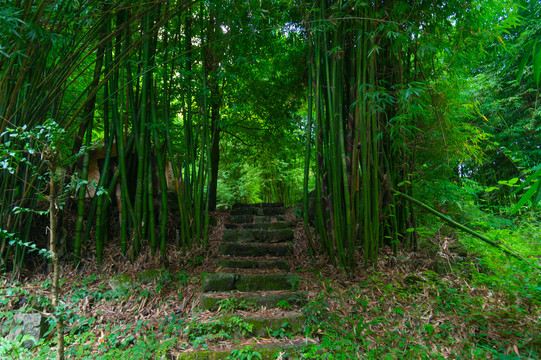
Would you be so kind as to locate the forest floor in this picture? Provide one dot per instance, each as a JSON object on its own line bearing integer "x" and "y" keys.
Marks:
{"x": 431, "y": 304}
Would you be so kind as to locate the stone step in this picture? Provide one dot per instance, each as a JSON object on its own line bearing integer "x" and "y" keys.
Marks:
{"x": 255, "y": 249}
{"x": 258, "y": 205}
{"x": 278, "y": 225}
{"x": 248, "y": 282}
{"x": 253, "y": 264}
{"x": 271, "y": 299}
{"x": 251, "y": 219}
{"x": 288, "y": 349}
{"x": 292, "y": 323}
{"x": 256, "y": 235}
{"x": 267, "y": 219}
{"x": 239, "y": 219}
{"x": 261, "y": 211}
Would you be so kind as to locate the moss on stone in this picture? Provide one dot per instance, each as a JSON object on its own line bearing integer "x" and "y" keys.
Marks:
{"x": 121, "y": 281}
{"x": 267, "y": 351}
{"x": 248, "y": 210}
{"x": 219, "y": 282}
{"x": 263, "y": 282}
{"x": 148, "y": 276}
{"x": 247, "y": 250}
{"x": 253, "y": 264}
{"x": 239, "y": 236}
{"x": 237, "y": 219}
{"x": 268, "y": 300}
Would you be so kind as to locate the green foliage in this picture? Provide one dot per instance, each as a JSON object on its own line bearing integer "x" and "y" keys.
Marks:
{"x": 283, "y": 332}
{"x": 247, "y": 353}
{"x": 200, "y": 333}
{"x": 232, "y": 304}
{"x": 238, "y": 182}
{"x": 284, "y": 305}
{"x": 14, "y": 350}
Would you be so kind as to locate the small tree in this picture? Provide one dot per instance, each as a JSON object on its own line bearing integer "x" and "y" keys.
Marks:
{"x": 48, "y": 142}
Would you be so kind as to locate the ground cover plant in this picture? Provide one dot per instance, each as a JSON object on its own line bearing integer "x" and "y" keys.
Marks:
{"x": 407, "y": 308}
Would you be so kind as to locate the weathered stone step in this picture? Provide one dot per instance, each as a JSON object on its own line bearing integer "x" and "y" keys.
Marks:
{"x": 290, "y": 349}
{"x": 272, "y": 299}
{"x": 256, "y": 235}
{"x": 253, "y": 264}
{"x": 266, "y": 219}
{"x": 278, "y": 225}
{"x": 248, "y": 282}
{"x": 291, "y": 322}
{"x": 253, "y": 219}
{"x": 255, "y": 249}
{"x": 239, "y": 219}
{"x": 258, "y": 205}
{"x": 261, "y": 211}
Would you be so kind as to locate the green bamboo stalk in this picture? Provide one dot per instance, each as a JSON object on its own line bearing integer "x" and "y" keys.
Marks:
{"x": 141, "y": 142}
{"x": 497, "y": 244}
{"x": 159, "y": 144}
{"x": 151, "y": 232}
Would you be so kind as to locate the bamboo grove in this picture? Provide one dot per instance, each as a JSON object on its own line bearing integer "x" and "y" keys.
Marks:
{"x": 373, "y": 82}
{"x": 133, "y": 91}
{"x": 114, "y": 88}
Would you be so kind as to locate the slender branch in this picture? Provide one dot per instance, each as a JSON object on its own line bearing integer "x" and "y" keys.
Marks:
{"x": 237, "y": 137}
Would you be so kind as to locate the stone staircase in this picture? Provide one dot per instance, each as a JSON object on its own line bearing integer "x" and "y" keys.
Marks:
{"x": 253, "y": 268}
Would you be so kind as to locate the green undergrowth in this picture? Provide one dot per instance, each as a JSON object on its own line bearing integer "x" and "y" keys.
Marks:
{"x": 487, "y": 306}
{"x": 433, "y": 320}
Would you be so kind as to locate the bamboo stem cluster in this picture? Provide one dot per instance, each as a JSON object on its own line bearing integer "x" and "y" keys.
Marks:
{"x": 123, "y": 87}
{"x": 355, "y": 162}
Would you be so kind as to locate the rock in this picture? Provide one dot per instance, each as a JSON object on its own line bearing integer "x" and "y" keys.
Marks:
{"x": 442, "y": 267}
{"x": 148, "y": 276}
{"x": 121, "y": 281}
{"x": 458, "y": 248}
{"x": 449, "y": 232}
{"x": 33, "y": 325}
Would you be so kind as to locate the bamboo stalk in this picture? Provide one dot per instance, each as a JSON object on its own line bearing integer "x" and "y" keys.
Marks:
{"x": 497, "y": 244}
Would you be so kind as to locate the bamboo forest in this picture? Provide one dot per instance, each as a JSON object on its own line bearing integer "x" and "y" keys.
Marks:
{"x": 270, "y": 179}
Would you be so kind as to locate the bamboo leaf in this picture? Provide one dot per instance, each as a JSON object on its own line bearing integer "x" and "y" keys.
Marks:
{"x": 531, "y": 194}
{"x": 537, "y": 65}
{"x": 522, "y": 65}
